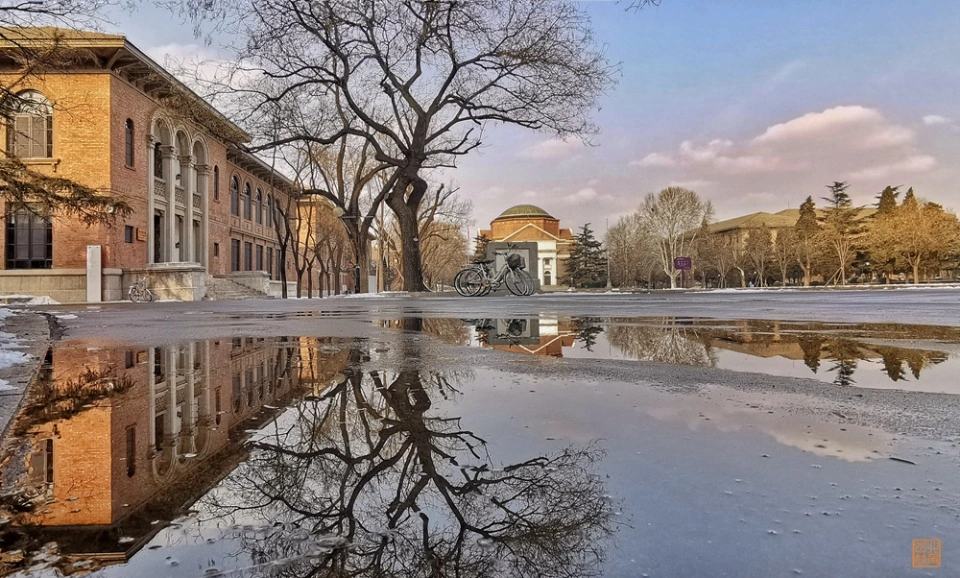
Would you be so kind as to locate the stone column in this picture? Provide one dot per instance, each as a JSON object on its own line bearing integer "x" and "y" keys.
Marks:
{"x": 170, "y": 420}
{"x": 151, "y": 234}
{"x": 203, "y": 185}
{"x": 151, "y": 402}
{"x": 186, "y": 181}
{"x": 187, "y": 431}
{"x": 170, "y": 219}
{"x": 203, "y": 418}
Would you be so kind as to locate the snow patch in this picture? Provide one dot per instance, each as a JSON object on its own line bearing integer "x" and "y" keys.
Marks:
{"x": 9, "y": 358}
{"x": 42, "y": 300}
{"x": 5, "y": 386}
{"x": 67, "y": 316}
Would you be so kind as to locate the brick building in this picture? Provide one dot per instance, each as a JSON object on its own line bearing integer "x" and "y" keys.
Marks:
{"x": 114, "y": 120}
{"x": 529, "y": 223}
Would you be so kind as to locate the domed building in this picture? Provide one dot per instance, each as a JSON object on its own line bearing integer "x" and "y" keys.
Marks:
{"x": 530, "y": 223}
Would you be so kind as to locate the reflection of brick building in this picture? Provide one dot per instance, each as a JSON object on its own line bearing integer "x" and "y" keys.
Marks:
{"x": 531, "y": 223}
{"x": 118, "y": 122}
{"x": 121, "y": 437}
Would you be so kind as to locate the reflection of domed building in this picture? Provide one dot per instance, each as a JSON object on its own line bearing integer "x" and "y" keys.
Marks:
{"x": 533, "y": 224}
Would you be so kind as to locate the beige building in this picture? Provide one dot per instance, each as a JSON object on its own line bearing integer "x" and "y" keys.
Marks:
{"x": 529, "y": 223}
{"x": 116, "y": 121}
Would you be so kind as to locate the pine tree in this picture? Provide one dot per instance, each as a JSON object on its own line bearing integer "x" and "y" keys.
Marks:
{"x": 587, "y": 266}
{"x": 808, "y": 231}
{"x": 480, "y": 247}
{"x": 887, "y": 201}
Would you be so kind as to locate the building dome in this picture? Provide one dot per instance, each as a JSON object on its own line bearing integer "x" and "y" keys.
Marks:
{"x": 524, "y": 211}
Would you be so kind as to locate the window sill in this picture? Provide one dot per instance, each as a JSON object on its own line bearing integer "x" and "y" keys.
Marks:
{"x": 52, "y": 162}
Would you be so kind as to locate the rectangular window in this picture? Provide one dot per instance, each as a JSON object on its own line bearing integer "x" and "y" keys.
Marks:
{"x": 216, "y": 249}
{"x": 259, "y": 257}
{"x": 128, "y": 234}
{"x": 248, "y": 256}
{"x": 234, "y": 254}
{"x": 29, "y": 241}
{"x": 128, "y": 359}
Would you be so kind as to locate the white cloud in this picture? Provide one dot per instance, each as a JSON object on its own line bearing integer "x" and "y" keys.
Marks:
{"x": 553, "y": 149}
{"x": 936, "y": 119}
{"x": 817, "y": 124}
{"x": 913, "y": 164}
{"x": 655, "y": 160}
{"x": 786, "y": 161}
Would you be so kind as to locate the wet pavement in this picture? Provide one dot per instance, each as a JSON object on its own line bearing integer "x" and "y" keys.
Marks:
{"x": 351, "y": 442}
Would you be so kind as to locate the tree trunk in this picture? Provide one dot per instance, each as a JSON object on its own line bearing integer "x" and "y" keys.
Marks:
{"x": 309, "y": 282}
{"x": 916, "y": 272}
{"x": 406, "y": 213}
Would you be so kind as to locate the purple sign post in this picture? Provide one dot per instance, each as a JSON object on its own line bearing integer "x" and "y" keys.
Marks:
{"x": 683, "y": 264}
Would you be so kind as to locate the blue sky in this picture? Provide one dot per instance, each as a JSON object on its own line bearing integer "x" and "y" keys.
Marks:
{"x": 754, "y": 104}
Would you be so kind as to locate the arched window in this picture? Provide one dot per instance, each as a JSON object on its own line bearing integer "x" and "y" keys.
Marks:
{"x": 157, "y": 161}
{"x": 235, "y": 196}
{"x": 269, "y": 211}
{"x": 216, "y": 183}
{"x": 246, "y": 201}
{"x": 258, "y": 206}
{"x": 128, "y": 142}
{"x": 30, "y": 132}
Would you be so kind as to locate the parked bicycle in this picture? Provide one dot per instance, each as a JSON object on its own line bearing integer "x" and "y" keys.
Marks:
{"x": 139, "y": 292}
{"x": 478, "y": 279}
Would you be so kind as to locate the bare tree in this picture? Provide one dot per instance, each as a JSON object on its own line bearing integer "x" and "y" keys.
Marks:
{"x": 420, "y": 80}
{"x": 757, "y": 249}
{"x": 673, "y": 217}
{"x": 784, "y": 250}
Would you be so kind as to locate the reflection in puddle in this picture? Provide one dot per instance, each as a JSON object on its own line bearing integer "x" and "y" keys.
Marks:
{"x": 294, "y": 459}
{"x": 890, "y": 356}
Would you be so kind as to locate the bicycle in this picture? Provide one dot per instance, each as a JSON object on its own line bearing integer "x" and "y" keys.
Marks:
{"x": 477, "y": 280}
{"x": 139, "y": 293}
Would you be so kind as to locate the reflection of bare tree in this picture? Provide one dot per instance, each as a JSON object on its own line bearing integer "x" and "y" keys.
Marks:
{"x": 366, "y": 480}
{"x": 680, "y": 346}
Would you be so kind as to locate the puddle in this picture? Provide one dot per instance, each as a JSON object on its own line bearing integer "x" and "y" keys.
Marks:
{"x": 263, "y": 457}
{"x": 879, "y": 356}
{"x": 296, "y": 456}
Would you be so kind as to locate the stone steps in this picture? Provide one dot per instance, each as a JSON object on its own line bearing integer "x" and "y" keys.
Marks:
{"x": 220, "y": 289}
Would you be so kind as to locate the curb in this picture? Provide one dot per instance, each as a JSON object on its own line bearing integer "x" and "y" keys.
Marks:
{"x": 32, "y": 334}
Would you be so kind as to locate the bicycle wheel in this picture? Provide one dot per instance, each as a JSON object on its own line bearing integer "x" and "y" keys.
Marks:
{"x": 470, "y": 283}
{"x": 135, "y": 294}
{"x": 147, "y": 295}
{"x": 515, "y": 283}
{"x": 458, "y": 282}
{"x": 528, "y": 280}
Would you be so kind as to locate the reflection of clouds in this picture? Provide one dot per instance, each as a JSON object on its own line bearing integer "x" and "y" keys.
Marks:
{"x": 856, "y": 443}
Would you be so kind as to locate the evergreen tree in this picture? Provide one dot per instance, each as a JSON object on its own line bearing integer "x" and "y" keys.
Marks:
{"x": 838, "y": 194}
{"x": 807, "y": 231}
{"x": 480, "y": 243}
{"x": 887, "y": 201}
{"x": 840, "y": 229}
{"x": 587, "y": 266}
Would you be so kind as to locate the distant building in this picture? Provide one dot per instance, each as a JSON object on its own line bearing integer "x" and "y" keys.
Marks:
{"x": 530, "y": 223}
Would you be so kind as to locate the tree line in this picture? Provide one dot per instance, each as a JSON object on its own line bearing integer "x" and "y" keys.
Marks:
{"x": 909, "y": 239}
